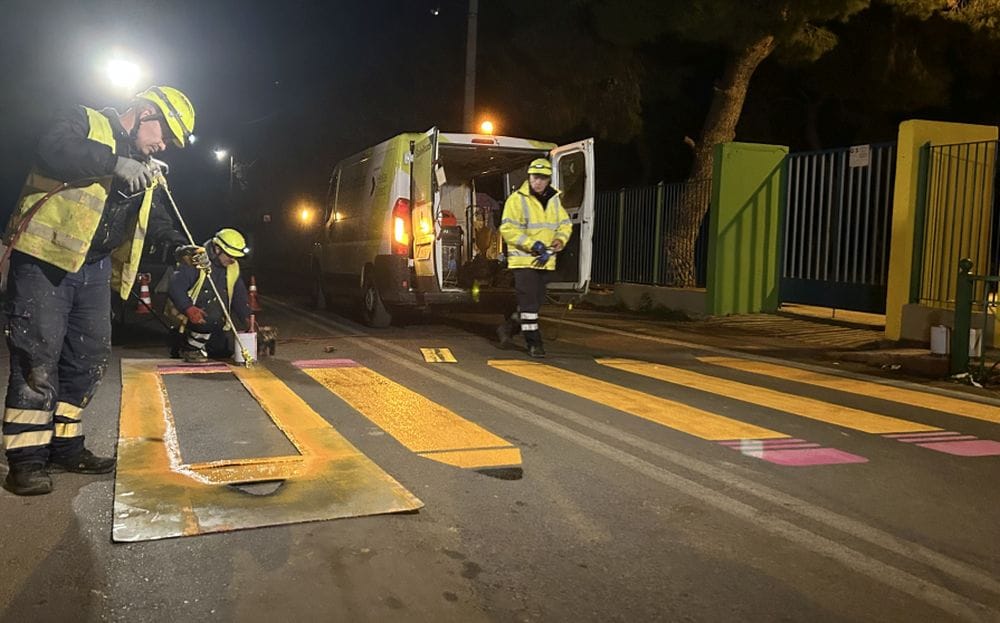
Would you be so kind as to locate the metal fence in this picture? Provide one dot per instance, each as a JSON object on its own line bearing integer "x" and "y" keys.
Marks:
{"x": 838, "y": 222}
{"x": 959, "y": 217}
{"x": 630, "y": 227}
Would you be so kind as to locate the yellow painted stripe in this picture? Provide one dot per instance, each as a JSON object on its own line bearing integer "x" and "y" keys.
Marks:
{"x": 477, "y": 459}
{"x": 421, "y": 425}
{"x": 827, "y": 412}
{"x": 910, "y": 397}
{"x": 675, "y": 415}
{"x": 438, "y": 355}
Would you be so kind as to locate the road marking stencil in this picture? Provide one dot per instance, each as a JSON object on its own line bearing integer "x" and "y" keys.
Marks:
{"x": 748, "y": 439}
{"x": 438, "y": 355}
{"x": 422, "y": 426}
{"x": 159, "y": 496}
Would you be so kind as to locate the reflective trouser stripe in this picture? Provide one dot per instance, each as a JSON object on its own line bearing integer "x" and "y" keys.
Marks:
{"x": 198, "y": 340}
{"x": 26, "y": 416}
{"x": 532, "y": 326}
{"x": 68, "y": 420}
{"x": 68, "y": 430}
{"x": 27, "y": 440}
{"x": 529, "y": 315}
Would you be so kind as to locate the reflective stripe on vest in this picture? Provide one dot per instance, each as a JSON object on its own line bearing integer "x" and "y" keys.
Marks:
{"x": 61, "y": 229}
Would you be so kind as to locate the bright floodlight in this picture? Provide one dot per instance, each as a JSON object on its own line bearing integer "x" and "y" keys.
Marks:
{"x": 221, "y": 154}
{"x": 122, "y": 73}
{"x": 486, "y": 127}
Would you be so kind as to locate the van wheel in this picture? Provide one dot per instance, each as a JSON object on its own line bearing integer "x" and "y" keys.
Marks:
{"x": 373, "y": 311}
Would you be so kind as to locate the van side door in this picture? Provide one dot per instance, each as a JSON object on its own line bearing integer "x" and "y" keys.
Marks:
{"x": 422, "y": 165}
{"x": 573, "y": 174}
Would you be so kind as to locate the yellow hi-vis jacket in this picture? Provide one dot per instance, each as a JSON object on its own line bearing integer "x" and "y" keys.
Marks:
{"x": 61, "y": 230}
{"x": 525, "y": 221}
{"x": 232, "y": 276}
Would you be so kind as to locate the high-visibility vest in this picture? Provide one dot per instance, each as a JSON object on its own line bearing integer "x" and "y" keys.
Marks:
{"x": 232, "y": 276}
{"x": 61, "y": 230}
{"x": 526, "y": 221}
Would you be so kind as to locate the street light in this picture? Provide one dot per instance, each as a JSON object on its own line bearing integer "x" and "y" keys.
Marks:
{"x": 123, "y": 74}
{"x": 222, "y": 154}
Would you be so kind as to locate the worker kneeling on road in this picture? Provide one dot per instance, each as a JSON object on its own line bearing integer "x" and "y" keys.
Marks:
{"x": 535, "y": 227}
{"x": 85, "y": 212}
{"x": 203, "y": 328}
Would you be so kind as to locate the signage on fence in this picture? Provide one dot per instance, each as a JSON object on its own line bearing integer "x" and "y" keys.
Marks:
{"x": 860, "y": 156}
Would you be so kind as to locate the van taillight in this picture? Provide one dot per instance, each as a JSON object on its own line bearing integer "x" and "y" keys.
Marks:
{"x": 401, "y": 227}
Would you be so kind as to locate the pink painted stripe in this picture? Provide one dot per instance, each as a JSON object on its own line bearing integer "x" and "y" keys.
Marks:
{"x": 812, "y": 456}
{"x": 933, "y": 439}
{"x": 980, "y": 447}
{"x": 736, "y": 442}
{"x": 325, "y": 363}
{"x": 936, "y": 433}
{"x": 188, "y": 368}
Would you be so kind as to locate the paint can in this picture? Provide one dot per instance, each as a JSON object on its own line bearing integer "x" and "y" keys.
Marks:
{"x": 249, "y": 341}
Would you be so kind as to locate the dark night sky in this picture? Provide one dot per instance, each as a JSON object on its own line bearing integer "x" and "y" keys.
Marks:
{"x": 292, "y": 85}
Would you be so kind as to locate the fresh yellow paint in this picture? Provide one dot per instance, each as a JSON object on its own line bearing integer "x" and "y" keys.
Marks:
{"x": 675, "y": 415}
{"x": 914, "y": 137}
{"x": 829, "y": 413}
{"x": 421, "y": 425}
{"x": 910, "y": 397}
{"x": 438, "y": 355}
{"x": 158, "y": 496}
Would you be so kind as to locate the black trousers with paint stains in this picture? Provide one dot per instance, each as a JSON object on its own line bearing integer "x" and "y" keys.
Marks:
{"x": 59, "y": 335}
{"x": 529, "y": 283}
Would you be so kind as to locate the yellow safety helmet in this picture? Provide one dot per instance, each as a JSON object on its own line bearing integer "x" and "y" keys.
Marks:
{"x": 176, "y": 109}
{"x": 231, "y": 241}
{"x": 540, "y": 166}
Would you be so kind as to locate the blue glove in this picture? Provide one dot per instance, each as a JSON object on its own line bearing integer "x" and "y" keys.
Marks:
{"x": 538, "y": 248}
{"x": 542, "y": 258}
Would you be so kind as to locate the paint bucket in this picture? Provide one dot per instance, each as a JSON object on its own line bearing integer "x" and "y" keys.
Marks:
{"x": 940, "y": 337}
{"x": 249, "y": 341}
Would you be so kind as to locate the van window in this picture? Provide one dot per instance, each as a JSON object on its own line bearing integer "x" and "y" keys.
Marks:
{"x": 572, "y": 178}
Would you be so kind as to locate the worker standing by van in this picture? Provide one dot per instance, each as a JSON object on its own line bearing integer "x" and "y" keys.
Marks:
{"x": 81, "y": 222}
{"x": 535, "y": 227}
{"x": 203, "y": 327}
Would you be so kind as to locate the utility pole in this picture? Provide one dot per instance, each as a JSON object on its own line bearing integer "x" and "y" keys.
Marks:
{"x": 468, "y": 119}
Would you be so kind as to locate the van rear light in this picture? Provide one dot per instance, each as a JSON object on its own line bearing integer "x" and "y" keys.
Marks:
{"x": 401, "y": 227}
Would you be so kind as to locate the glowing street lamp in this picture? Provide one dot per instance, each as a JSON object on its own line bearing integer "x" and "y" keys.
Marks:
{"x": 123, "y": 74}
{"x": 306, "y": 215}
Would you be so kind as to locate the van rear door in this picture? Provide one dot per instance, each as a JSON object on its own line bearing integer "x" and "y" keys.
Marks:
{"x": 573, "y": 174}
{"x": 425, "y": 155}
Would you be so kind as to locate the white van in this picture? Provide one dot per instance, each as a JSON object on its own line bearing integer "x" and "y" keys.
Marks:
{"x": 413, "y": 222}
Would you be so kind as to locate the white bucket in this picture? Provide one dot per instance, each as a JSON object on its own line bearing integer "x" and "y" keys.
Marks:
{"x": 940, "y": 339}
{"x": 249, "y": 341}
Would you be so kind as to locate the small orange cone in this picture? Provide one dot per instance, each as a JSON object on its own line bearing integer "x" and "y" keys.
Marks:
{"x": 146, "y": 303}
{"x": 254, "y": 303}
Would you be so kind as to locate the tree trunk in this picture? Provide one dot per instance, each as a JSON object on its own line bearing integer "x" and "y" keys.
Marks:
{"x": 720, "y": 127}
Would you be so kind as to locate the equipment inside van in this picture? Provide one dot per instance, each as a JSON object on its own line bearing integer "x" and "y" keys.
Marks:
{"x": 414, "y": 222}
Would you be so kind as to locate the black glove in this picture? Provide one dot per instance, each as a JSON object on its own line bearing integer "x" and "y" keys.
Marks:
{"x": 137, "y": 175}
{"x": 193, "y": 255}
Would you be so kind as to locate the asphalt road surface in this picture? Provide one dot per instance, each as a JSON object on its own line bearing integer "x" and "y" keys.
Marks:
{"x": 657, "y": 481}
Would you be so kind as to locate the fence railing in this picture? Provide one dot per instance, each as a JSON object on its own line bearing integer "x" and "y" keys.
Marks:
{"x": 959, "y": 217}
{"x": 630, "y": 228}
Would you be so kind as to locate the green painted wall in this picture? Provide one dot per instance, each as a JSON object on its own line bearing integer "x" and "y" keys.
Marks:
{"x": 744, "y": 252}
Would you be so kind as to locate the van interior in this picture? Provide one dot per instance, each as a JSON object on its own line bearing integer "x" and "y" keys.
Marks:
{"x": 477, "y": 181}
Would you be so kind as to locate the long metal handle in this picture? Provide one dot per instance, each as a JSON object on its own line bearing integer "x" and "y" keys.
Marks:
{"x": 247, "y": 359}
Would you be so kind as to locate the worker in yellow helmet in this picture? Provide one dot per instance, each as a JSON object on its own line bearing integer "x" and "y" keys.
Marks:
{"x": 536, "y": 228}
{"x": 85, "y": 212}
{"x": 202, "y": 324}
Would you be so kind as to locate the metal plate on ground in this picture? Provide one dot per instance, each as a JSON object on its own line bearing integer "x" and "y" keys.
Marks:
{"x": 158, "y": 495}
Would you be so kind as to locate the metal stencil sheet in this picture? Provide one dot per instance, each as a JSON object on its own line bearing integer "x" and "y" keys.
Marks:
{"x": 158, "y": 495}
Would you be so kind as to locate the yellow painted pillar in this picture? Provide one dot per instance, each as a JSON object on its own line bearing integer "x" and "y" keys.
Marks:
{"x": 915, "y": 137}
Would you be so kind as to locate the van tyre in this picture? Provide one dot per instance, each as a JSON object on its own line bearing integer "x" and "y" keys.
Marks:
{"x": 373, "y": 311}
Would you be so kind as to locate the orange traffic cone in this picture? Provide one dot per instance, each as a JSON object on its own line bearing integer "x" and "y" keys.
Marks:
{"x": 145, "y": 302}
{"x": 254, "y": 303}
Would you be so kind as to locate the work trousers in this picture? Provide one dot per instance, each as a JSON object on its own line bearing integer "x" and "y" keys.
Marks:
{"x": 209, "y": 337}
{"x": 529, "y": 283}
{"x": 59, "y": 335}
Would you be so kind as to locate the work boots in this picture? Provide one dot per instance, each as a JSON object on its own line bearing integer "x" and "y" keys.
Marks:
{"x": 28, "y": 479}
{"x": 84, "y": 462}
{"x": 536, "y": 351}
{"x": 194, "y": 356}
